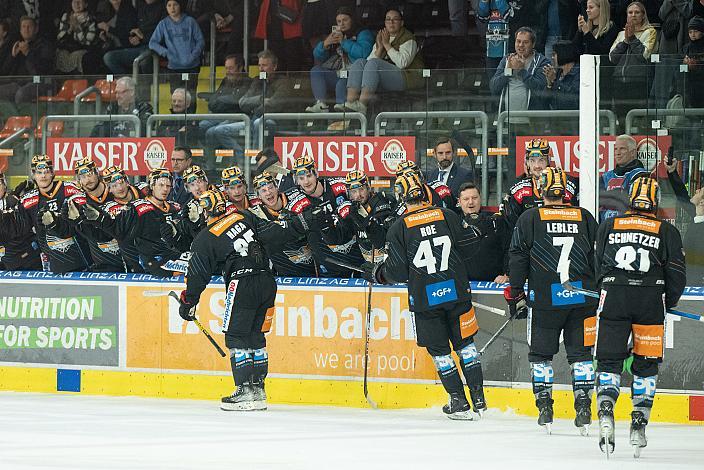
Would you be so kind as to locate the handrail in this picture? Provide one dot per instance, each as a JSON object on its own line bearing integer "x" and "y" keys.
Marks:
{"x": 155, "y": 74}
{"x": 83, "y": 94}
{"x": 536, "y": 114}
{"x": 213, "y": 39}
{"x": 11, "y": 139}
{"x": 89, "y": 118}
{"x": 638, "y": 112}
{"x": 315, "y": 117}
{"x": 202, "y": 117}
{"x": 245, "y": 35}
{"x": 481, "y": 115}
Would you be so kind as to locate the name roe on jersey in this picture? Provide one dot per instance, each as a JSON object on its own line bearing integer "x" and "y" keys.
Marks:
{"x": 637, "y": 238}
{"x": 427, "y": 231}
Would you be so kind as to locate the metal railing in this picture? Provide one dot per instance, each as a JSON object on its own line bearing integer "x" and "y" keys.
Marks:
{"x": 658, "y": 113}
{"x": 88, "y": 91}
{"x": 155, "y": 75}
{"x": 236, "y": 117}
{"x": 313, "y": 117}
{"x": 479, "y": 115}
{"x": 538, "y": 115}
{"x": 91, "y": 118}
{"x": 16, "y": 136}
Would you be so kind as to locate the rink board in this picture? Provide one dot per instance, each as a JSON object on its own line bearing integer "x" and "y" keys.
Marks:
{"x": 100, "y": 334}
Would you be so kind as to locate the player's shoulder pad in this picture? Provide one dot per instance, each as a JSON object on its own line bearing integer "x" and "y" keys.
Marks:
{"x": 521, "y": 190}
{"x": 175, "y": 206}
{"x": 71, "y": 188}
{"x": 440, "y": 188}
{"x": 142, "y": 206}
{"x": 343, "y": 210}
{"x": 30, "y": 199}
{"x": 253, "y": 199}
{"x": 78, "y": 198}
{"x": 337, "y": 185}
{"x": 297, "y": 201}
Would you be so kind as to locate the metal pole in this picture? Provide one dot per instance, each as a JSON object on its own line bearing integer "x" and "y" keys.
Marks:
{"x": 213, "y": 37}
{"x": 245, "y": 36}
{"x": 589, "y": 132}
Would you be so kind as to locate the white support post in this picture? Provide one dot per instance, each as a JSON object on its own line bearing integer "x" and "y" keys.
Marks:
{"x": 589, "y": 132}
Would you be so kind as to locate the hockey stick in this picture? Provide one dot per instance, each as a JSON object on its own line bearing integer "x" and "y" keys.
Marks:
{"x": 173, "y": 294}
{"x": 496, "y": 335}
{"x": 371, "y": 402}
{"x": 596, "y": 295}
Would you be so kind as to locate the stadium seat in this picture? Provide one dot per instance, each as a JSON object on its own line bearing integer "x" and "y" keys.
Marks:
{"x": 14, "y": 124}
{"x": 67, "y": 93}
{"x": 55, "y": 128}
{"x": 107, "y": 92}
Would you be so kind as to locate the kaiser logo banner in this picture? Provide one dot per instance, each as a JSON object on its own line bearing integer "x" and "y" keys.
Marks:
{"x": 137, "y": 156}
{"x": 566, "y": 152}
{"x": 336, "y": 156}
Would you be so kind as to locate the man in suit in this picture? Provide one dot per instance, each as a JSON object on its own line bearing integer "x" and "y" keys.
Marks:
{"x": 181, "y": 158}
{"x": 447, "y": 171}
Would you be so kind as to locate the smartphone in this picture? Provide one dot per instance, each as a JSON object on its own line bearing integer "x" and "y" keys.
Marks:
{"x": 335, "y": 28}
{"x": 670, "y": 154}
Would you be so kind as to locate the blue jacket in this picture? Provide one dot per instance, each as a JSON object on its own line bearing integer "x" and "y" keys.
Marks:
{"x": 180, "y": 42}
{"x": 533, "y": 79}
{"x": 357, "y": 48}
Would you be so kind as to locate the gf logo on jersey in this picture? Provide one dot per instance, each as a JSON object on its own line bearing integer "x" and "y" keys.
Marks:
{"x": 441, "y": 292}
{"x": 561, "y": 296}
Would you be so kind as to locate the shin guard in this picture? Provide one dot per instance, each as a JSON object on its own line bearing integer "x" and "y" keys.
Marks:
{"x": 260, "y": 365}
{"x": 242, "y": 365}
{"x": 448, "y": 374}
{"x": 643, "y": 394}
{"x": 583, "y": 380}
{"x": 608, "y": 388}
{"x": 543, "y": 377}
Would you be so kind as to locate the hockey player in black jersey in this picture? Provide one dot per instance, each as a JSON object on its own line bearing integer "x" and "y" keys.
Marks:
{"x": 231, "y": 245}
{"x": 550, "y": 245}
{"x": 436, "y": 192}
{"x": 641, "y": 272}
{"x": 294, "y": 258}
{"x": 19, "y": 251}
{"x": 320, "y": 198}
{"x": 426, "y": 248}
{"x": 525, "y": 193}
{"x": 39, "y": 210}
{"x": 104, "y": 249}
{"x": 141, "y": 222}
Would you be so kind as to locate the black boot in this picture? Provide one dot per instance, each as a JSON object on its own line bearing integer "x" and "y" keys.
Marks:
{"x": 583, "y": 412}
{"x": 458, "y": 407}
{"x": 638, "y": 424}
{"x": 241, "y": 400}
{"x": 544, "y": 403}
{"x": 477, "y": 395}
{"x": 607, "y": 441}
{"x": 259, "y": 395}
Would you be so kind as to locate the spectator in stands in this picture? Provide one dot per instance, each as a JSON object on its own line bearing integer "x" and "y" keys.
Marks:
{"x": 30, "y": 55}
{"x": 619, "y": 11}
{"x": 447, "y": 171}
{"x": 693, "y": 242}
{"x": 344, "y": 45}
{"x": 630, "y": 54}
{"x": 185, "y": 130}
{"x": 596, "y": 32}
{"x": 563, "y": 77}
{"x": 490, "y": 260}
{"x": 318, "y": 15}
{"x": 181, "y": 159}
{"x": 116, "y": 18}
{"x": 694, "y": 58}
{"x": 280, "y": 23}
{"x": 178, "y": 38}
{"x": 550, "y": 20}
{"x": 125, "y": 103}
{"x": 77, "y": 40}
{"x": 5, "y": 48}
{"x": 520, "y": 75}
{"x": 495, "y": 13}
{"x": 393, "y": 65}
{"x": 149, "y": 14}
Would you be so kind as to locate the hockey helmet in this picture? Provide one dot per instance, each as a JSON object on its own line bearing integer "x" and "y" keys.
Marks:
{"x": 213, "y": 201}
{"x": 158, "y": 173}
{"x": 406, "y": 166}
{"x": 356, "y": 179}
{"x": 408, "y": 187}
{"x": 538, "y": 148}
{"x": 193, "y": 173}
{"x": 553, "y": 182}
{"x": 113, "y": 174}
{"x": 232, "y": 176}
{"x": 263, "y": 179}
{"x": 41, "y": 162}
{"x": 644, "y": 194}
{"x": 85, "y": 166}
{"x": 303, "y": 165}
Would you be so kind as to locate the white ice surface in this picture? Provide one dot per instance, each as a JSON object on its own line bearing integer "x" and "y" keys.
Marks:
{"x": 40, "y": 431}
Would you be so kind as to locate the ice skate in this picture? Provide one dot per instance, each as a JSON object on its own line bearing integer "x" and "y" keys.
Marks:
{"x": 544, "y": 403}
{"x": 607, "y": 442}
{"x": 478, "y": 401}
{"x": 583, "y": 414}
{"x": 458, "y": 408}
{"x": 259, "y": 396}
{"x": 638, "y": 439}
{"x": 241, "y": 400}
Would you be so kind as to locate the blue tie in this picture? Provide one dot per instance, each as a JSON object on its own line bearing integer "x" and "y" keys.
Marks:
{"x": 441, "y": 176}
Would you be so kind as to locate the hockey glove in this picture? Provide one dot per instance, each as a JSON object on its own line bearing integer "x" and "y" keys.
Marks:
{"x": 321, "y": 220}
{"x": 49, "y": 219}
{"x": 91, "y": 213}
{"x": 516, "y": 300}
{"x": 373, "y": 273}
{"x": 73, "y": 213}
{"x": 194, "y": 211}
{"x": 186, "y": 310}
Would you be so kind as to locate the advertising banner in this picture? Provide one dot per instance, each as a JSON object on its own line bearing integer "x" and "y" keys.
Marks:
{"x": 54, "y": 325}
{"x": 137, "y": 156}
{"x": 336, "y": 156}
{"x": 316, "y": 332}
{"x": 566, "y": 152}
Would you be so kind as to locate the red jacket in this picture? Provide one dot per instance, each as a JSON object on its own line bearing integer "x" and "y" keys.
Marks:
{"x": 290, "y": 30}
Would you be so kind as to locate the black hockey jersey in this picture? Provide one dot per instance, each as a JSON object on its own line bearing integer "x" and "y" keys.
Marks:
{"x": 293, "y": 258}
{"x": 18, "y": 251}
{"x": 438, "y": 194}
{"x": 223, "y": 248}
{"x": 551, "y": 245}
{"x": 334, "y": 195}
{"x": 427, "y": 247}
{"x": 524, "y": 195}
{"x": 639, "y": 250}
{"x": 64, "y": 251}
{"x": 490, "y": 258}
